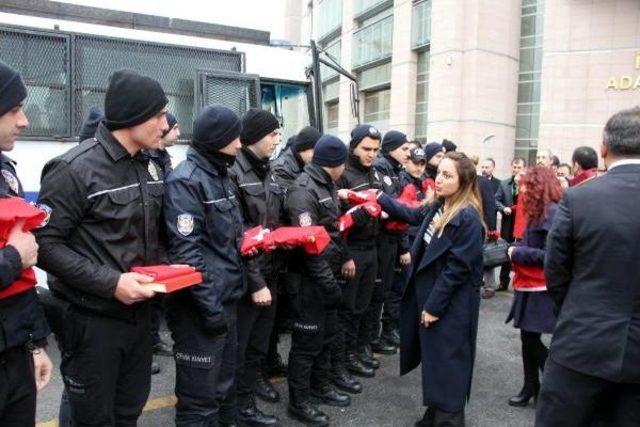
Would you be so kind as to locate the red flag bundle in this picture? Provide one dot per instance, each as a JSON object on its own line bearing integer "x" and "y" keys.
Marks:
{"x": 169, "y": 278}
{"x": 359, "y": 197}
{"x": 528, "y": 278}
{"x": 313, "y": 239}
{"x": 13, "y": 210}
{"x": 408, "y": 198}
{"x": 345, "y": 222}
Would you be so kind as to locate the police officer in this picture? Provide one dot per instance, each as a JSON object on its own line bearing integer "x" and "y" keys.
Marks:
{"x": 104, "y": 218}
{"x": 160, "y": 155}
{"x": 204, "y": 227}
{"x": 286, "y": 168}
{"x": 262, "y": 202}
{"x": 353, "y": 351}
{"x": 392, "y": 246}
{"x": 290, "y": 164}
{"x": 25, "y": 367}
{"x": 312, "y": 200}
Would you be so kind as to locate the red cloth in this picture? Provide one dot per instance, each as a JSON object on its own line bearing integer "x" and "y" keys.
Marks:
{"x": 409, "y": 198}
{"x": 359, "y": 197}
{"x": 162, "y": 272}
{"x": 428, "y": 184}
{"x": 583, "y": 177}
{"x": 345, "y": 222}
{"x": 313, "y": 239}
{"x": 169, "y": 278}
{"x": 520, "y": 222}
{"x": 529, "y": 278}
{"x": 12, "y": 210}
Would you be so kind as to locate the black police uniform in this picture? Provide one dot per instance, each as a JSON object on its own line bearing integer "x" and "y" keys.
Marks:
{"x": 204, "y": 226}
{"x": 22, "y": 326}
{"x": 356, "y": 296}
{"x": 312, "y": 200}
{"x": 105, "y": 209}
{"x": 390, "y": 245}
{"x": 262, "y": 202}
{"x": 287, "y": 167}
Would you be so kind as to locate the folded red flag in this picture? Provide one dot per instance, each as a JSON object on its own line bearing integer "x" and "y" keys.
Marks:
{"x": 428, "y": 184}
{"x": 169, "y": 278}
{"x": 12, "y": 210}
{"x": 528, "y": 278}
{"x": 345, "y": 222}
{"x": 254, "y": 238}
{"x": 359, "y": 197}
{"x": 313, "y": 239}
{"x": 408, "y": 198}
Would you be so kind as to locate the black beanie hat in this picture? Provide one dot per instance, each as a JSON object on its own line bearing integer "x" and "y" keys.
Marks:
{"x": 431, "y": 149}
{"x": 215, "y": 127}
{"x": 12, "y": 88}
{"x": 256, "y": 124}
{"x": 171, "y": 121}
{"x": 90, "y": 125}
{"x": 329, "y": 151}
{"x": 392, "y": 140}
{"x": 306, "y": 138}
{"x": 360, "y": 132}
{"x": 132, "y": 99}
{"x": 449, "y": 145}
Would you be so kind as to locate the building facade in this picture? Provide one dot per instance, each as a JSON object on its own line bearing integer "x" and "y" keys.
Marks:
{"x": 500, "y": 78}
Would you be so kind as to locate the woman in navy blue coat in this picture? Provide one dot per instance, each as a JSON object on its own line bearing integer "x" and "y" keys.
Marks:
{"x": 533, "y": 309}
{"x": 440, "y": 305}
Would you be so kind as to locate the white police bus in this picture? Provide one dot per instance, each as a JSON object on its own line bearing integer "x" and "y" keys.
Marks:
{"x": 66, "y": 65}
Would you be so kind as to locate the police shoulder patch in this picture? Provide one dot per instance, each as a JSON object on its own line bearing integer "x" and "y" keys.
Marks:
{"x": 184, "y": 224}
{"x": 304, "y": 219}
{"x": 387, "y": 180}
{"x": 47, "y": 214}
{"x": 11, "y": 180}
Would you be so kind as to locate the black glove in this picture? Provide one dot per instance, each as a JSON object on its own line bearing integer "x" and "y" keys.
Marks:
{"x": 216, "y": 325}
{"x": 332, "y": 296}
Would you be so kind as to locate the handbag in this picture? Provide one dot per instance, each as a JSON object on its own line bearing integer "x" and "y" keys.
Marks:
{"x": 494, "y": 253}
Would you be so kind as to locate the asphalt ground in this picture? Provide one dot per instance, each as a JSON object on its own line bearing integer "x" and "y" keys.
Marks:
{"x": 387, "y": 399}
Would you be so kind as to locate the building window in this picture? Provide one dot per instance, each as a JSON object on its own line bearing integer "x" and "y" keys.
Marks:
{"x": 331, "y": 118}
{"x": 334, "y": 49}
{"x": 375, "y": 77}
{"x": 362, "y": 7}
{"x": 421, "y": 24}
{"x": 374, "y": 40}
{"x": 422, "y": 96}
{"x": 528, "y": 113}
{"x": 331, "y": 91}
{"x": 330, "y": 17}
{"x": 376, "y": 108}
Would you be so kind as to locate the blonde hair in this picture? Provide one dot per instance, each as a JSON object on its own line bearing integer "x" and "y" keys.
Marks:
{"x": 468, "y": 195}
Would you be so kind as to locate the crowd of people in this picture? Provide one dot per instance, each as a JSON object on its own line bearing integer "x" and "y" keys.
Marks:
{"x": 403, "y": 268}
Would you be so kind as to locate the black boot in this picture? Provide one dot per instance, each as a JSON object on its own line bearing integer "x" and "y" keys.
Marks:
{"x": 250, "y": 415}
{"x": 307, "y": 413}
{"x": 264, "y": 389}
{"x": 328, "y": 395}
{"x": 391, "y": 332}
{"x": 427, "y": 419}
{"x": 342, "y": 379}
{"x": 366, "y": 356}
{"x": 382, "y": 346}
{"x": 356, "y": 367}
{"x": 530, "y": 364}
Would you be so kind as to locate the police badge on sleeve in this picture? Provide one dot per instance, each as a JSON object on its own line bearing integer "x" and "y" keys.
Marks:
{"x": 387, "y": 180}
{"x": 184, "y": 224}
{"x": 304, "y": 219}
{"x": 11, "y": 181}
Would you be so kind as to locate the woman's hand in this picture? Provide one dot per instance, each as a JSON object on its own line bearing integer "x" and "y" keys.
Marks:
{"x": 510, "y": 251}
{"x": 343, "y": 194}
{"x": 427, "y": 319}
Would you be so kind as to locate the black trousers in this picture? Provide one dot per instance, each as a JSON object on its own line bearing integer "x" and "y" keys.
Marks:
{"x": 205, "y": 367}
{"x": 255, "y": 325}
{"x": 356, "y": 298}
{"x": 17, "y": 388}
{"x": 157, "y": 313}
{"x": 573, "y": 399}
{"x": 106, "y": 367}
{"x": 387, "y": 255}
{"x": 314, "y": 328}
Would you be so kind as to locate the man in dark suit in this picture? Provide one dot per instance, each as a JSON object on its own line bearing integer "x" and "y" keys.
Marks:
{"x": 593, "y": 275}
{"x": 506, "y": 198}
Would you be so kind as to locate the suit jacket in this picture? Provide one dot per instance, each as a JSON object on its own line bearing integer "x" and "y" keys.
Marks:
{"x": 593, "y": 275}
{"x": 504, "y": 199}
